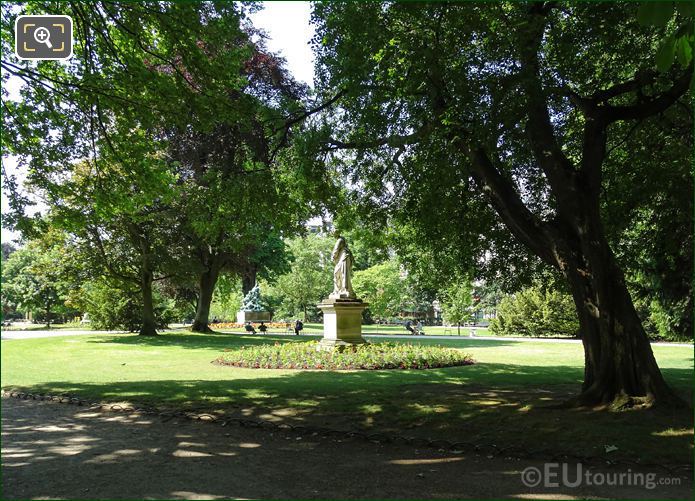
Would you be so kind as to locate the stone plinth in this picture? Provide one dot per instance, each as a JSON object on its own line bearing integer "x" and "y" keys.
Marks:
{"x": 252, "y": 316}
{"x": 342, "y": 322}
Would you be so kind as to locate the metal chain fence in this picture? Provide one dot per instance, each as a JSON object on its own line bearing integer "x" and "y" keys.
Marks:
{"x": 487, "y": 450}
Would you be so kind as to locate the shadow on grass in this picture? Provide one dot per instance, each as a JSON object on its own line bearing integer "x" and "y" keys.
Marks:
{"x": 221, "y": 340}
{"x": 72, "y": 453}
{"x": 214, "y": 342}
{"x": 499, "y": 403}
{"x": 489, "y": 403}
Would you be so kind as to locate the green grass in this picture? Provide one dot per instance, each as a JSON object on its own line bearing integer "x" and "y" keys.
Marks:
{"x": 503, "y": 399}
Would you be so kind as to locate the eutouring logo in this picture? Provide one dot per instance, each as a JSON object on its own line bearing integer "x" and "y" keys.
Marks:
{"x": 569, "y": 475}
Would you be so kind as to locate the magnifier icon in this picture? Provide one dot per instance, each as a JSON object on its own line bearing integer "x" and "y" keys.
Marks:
{"x": 42, "y": 35}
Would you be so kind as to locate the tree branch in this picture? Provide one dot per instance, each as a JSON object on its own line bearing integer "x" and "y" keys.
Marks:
{"x": 525, "y": 225}
{"x": 105, "y": 260}
{"x": 651, "y": 107}
{"x": 290, "y": 121}
{"x": 556, "y": 166}
{"x": 394, "y": 141}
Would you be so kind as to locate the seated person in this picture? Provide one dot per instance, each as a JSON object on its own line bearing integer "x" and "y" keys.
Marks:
{"x": 249, "y": 328}
{"x": 263, "y": 328}
{"x": 409, "y": 327}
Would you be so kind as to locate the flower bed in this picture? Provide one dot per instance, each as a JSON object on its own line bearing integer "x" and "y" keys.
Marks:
{"x": 368, "y": 356}
{"x": 235, "y": 325}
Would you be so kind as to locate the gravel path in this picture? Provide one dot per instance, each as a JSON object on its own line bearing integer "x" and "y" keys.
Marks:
{"x": 58, "y": 451}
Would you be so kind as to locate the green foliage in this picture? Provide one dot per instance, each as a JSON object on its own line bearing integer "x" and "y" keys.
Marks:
{"x": 428, "y": 86}
{"x": 227, "y": 298}
{"x": 309, "y": 280}
{"x": 648, "y": 212}
{"x": 383, "y": 287}
{"x": 536, "y": 311}
{"x": 677, "y": 44}
{"x": 39, "y": 277}
{"x": 116, "y": 306}
{"x": 164, "y": 130}
{"x": 368, "y": 356}
{"x": 488, "y": 294}
{"x": 655, "y": 13}
{"x": 665, "y": 320}
{"x": 457, "y": 302}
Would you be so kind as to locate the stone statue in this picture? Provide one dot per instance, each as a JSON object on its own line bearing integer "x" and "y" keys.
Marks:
{"x": 342, "y": 273}
{"x": 252, "y": 300}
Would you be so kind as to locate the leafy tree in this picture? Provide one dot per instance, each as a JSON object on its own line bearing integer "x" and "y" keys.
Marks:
{"x": 7, "y": 249}
{"x": 227, "y": 299}
{"x": 138, "y": 71}
{"x": 111, "y": 304}
{"x": 309, "y": 279}
{"x": 677, "y": 42}
{"x": 649, "y": 220}
{"x": 447, "y": 107}
{"x": 237, "y": 200}
{"x": 369, "y": 243}
{"x": 536, "y": 311}
{"x": 486, "y": 297}
{"x": 382, "y": 286}
{"x": 37, "y": 278}
{"x": 9, "y": 307}
{"x": 172, "y": 98}
{"x": 457, "y": 303}
{"x": 126, "y": 234}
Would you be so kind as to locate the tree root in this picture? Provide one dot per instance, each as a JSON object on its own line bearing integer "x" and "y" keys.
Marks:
{"x": 202, "y": 330}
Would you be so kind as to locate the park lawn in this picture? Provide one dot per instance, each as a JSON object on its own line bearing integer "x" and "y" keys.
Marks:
{"x": 504, "y": 399}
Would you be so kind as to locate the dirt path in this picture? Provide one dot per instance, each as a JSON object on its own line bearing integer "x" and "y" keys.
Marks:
{"x": 57, "y": 451}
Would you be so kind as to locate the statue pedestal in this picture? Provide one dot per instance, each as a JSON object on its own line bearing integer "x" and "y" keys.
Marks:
{"x": 244, "y": 316}
{"x": 342, "y": 322}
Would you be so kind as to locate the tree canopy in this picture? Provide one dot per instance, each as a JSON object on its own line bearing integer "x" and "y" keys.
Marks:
{"x": 164, "y": 143}
{"x": 454, "y": 119}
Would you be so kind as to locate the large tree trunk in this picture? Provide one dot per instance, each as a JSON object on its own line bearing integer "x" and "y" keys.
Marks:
{"x": 620, "y": 368}
{"x": 206, "y": 284}
{"x": 248, "y": 279}
{"x": 149, "y": 322}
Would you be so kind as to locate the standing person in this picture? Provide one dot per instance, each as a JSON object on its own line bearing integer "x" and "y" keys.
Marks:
{"x": 298, "y": 326}
{"x": 409, "y": 327}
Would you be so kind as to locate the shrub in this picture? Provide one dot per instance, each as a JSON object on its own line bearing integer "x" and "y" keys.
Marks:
{"x": 665, "y": 322}
{"x": 111, "y": 307}
{"x": 367, "y": 356}
{"x": 536, "y": 312}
